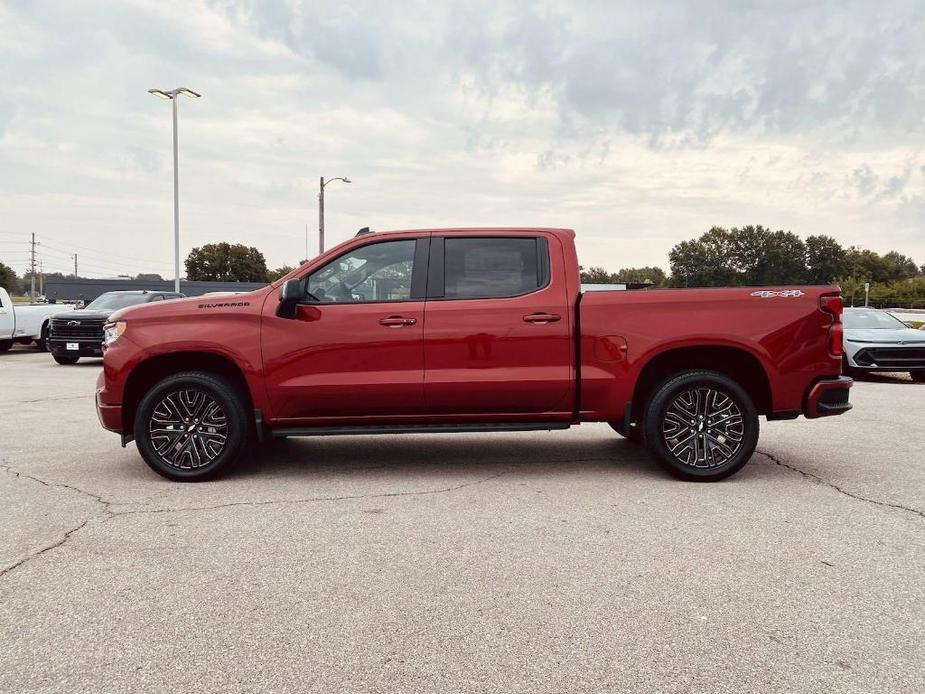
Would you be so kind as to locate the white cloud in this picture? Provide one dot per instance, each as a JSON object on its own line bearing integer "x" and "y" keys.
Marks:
{"x": 639, "y": 126}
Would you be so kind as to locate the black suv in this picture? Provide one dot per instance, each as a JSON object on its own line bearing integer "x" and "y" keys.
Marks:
{"x": 77, "y": 334}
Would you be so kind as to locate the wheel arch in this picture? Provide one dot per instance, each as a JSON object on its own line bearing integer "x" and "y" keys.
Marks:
{"x": 151, "y": 370}
{"x": 738, "y": 363}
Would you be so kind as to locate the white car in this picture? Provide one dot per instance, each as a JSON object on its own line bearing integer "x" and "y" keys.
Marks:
{"x": 24, "y": 324}
{"x": 874, "y": 340}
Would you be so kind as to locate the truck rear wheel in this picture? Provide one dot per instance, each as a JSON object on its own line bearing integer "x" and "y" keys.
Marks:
{"x": 701, "y": 425}
{"x": 917, "y": 376}
{"x": 191, "y": 426}
{"x": 5, "y": 345}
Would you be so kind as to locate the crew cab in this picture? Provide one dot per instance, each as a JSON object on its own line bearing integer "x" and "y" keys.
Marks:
{"x": 24, "y": 323}
{"x": 468, "y": 330}
{"x": 79, "y": 333}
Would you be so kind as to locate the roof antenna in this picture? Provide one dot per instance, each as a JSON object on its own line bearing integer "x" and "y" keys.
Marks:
{"x": 364, "y": 230}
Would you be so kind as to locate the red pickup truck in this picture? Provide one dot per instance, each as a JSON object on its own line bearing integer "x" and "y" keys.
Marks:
{"x": 464, "y": 330}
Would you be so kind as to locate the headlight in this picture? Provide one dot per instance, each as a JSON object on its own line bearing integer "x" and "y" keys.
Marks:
{"x": 112, "y": 331}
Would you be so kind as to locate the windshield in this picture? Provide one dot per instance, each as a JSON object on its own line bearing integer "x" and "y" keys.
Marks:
{"x": 116, "y": 300}
{"x": 871, "y": 320}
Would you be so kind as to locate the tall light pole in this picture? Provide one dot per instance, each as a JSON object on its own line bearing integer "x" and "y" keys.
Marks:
{"x": 172, "y": 97}
{"x": 321, "y": 208}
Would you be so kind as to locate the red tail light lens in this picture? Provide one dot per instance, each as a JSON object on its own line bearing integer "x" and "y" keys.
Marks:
{"x": 832, "y": 304}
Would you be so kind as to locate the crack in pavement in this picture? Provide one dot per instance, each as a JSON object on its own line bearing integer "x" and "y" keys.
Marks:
{"x": 311, "y": 499}
{"x": 816, "y": 478}
{"x": 108, "y": 513}
{"x": 62, "y": 485}
{"x": 54, "y": 399}
{"x": 47, "y": 548}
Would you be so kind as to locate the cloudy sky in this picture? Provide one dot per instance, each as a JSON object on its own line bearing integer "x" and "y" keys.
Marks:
{"x": 638, "y": 124}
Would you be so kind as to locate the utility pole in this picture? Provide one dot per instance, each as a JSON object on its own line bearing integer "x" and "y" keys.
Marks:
{"x": 306, "y": 243}
{"x": 75, "y": 265}
{"x": 32, "y": 269}
{"x": 41, "y": 277}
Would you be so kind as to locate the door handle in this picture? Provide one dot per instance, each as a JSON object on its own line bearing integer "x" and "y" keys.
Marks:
{"x": 542, "y": 318}
{"x": 397, "y": 321}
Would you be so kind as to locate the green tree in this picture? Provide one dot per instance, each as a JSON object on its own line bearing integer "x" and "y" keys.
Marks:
{"x": 595, "y": 275}
{"x": 868, "y": 265}
{"x": 705, "y": 261}
{"x": 225, "y": 262}
{"x": 640, "y": 275}
{"x": 274, "y": 275}
{"x": 8, "y": 279}
{"x": 763, "y": 257}
{"x": 747, "y": 255}
{"x": 901, "y": 267}
{"x": 825, "y": 260}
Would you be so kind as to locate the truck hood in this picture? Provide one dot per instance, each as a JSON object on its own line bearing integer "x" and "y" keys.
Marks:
{"x": 885, "y": 337}
{"x": 192, "y": 306}
{"x": 83, "y": 315}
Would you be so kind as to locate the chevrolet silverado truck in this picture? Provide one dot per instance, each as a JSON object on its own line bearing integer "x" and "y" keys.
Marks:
{"x": 79, "y": 333}
{"x": 467, "y": 330}
{"x": 24, "y": 323}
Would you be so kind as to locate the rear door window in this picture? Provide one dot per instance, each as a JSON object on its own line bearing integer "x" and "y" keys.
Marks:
{"x": 485, "y": 267}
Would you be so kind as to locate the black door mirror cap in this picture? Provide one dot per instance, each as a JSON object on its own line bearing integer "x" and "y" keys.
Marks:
{"x": 290, "y": 294}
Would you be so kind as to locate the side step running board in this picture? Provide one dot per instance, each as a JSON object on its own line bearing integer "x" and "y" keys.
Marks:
{"x": 417, "y": 429}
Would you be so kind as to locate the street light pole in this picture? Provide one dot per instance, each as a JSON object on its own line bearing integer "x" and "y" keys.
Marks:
{"x": 321, "y": 186}
{"x": 172, "y": 96}
{"x": 321, "y": 217}
{"x": 176, "y": 203}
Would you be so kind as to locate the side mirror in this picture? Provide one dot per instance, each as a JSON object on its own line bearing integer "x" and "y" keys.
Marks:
{"x": 290, "y": 294}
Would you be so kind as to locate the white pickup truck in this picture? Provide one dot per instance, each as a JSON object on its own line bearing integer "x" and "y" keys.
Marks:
{"x": 25, "y": 324}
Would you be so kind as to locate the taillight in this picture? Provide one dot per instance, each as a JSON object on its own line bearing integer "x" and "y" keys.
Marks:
{"x": 832, "y": 304}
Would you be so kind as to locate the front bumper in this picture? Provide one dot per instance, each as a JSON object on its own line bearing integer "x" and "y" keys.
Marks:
{"x": 85, "y": 348}
{"x": 110, "y": 415}
{"x": 828, "y": 397}
{"x": 885, "y": 357}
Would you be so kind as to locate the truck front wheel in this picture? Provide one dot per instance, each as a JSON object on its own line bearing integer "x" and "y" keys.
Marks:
{"x": 191, "y": 426}
{"x": 701, "y": 425}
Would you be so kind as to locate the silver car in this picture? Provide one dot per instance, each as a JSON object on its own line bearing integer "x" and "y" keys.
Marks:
{"x": 876, "y": 341}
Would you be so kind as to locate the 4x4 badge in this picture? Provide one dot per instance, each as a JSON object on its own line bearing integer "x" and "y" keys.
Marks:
{"x": 767, "y": 294}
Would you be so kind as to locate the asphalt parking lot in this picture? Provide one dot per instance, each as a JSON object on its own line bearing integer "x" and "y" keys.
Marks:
{"x": 535, "y": 562}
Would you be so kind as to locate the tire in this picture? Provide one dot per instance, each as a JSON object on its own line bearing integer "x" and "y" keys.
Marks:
{"x": 5, "y": 345}
{"x": 635, "y": 434}
{"x": 42, "y": 342}
{"x": 700, "y": 395}
{"x": 219, "y": 417}
{"x": 917, "y": 376}
{"x": 65, "y": 360}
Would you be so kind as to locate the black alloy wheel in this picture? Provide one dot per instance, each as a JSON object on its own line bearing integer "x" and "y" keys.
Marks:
{"x": 702, "y": 425}
{"x": 191, "y": 426}
{"x": 188, "y": 429}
